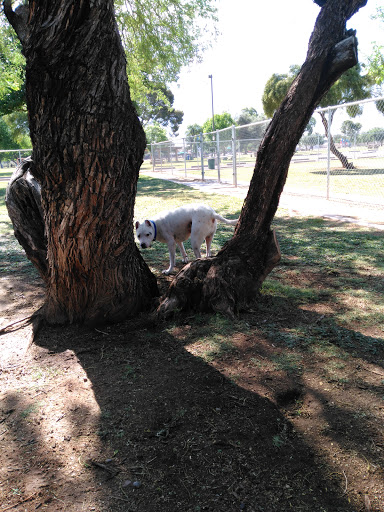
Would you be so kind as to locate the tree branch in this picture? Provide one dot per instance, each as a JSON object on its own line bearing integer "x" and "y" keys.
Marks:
{"x": 344, "y": 56}
{"x": 17, "y": 18}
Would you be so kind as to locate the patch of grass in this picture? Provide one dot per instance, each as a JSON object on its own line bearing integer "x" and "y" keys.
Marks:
{"x": 129, "y": 372}
{"x": 300, "y": 295}
{"x": 47, "y": 373}
{"x": 278, "y": 441}
{"x": 12, "y": 255}
{"x": 327, "y": 349}
{"x": 287, "y": 362}
{"x": 215, "y": 347}
{"x": 31, "y": 409}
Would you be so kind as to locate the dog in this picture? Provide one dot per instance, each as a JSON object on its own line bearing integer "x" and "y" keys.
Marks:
{"x": 197, "y": 221}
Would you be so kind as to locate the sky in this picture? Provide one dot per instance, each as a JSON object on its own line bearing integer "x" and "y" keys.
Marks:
{"x": 256, "y": 39}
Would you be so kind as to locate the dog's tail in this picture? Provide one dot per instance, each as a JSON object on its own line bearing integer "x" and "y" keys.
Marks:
{"x": 226, "y": 221}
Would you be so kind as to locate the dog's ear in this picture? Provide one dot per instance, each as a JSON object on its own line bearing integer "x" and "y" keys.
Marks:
{"x": 137, "y": 224}
{"x": 147, "y": 223}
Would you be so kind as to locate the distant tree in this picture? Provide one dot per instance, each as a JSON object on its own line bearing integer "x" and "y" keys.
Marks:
{"x": 247, "y": 115}
{"x": 12, "y": 70}
{"x": 376, "y": 59}
{"x": 253, "y": 134}
{"x": 309, "y": 128}
{"x": 192, "y": 135}
{"x": 159, "y": 109}
{"x": 155, "y": 133}
{"x": 193, "y": 130}
{"x": 222, "y": 121}
{"x": 6, "y": 139}
{"x": 350, "y": 129}
{"x": 373, "y": 135}
{"x": 17, "y": 123}
{"x": 309, "y": 141}
{"x": 351, "y": 86}
{"x": 276, "y": 88}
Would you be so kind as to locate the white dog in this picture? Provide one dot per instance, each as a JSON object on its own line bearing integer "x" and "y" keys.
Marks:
{"x": 197, "y": 221}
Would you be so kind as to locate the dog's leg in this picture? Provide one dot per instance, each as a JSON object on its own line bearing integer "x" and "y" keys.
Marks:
{"x": 196, "y": 244}
{"x": 172, "y": 256}
{"x": 197, "y": 237}
{"x": 183, "y": 253}
{"x": 209, "y": 238}
{"x": 208, "y": 241}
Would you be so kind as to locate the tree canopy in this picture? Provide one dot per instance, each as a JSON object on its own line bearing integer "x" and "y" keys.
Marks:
{"x": 246, "y": 117}
{"x": 159, "y": 109}
{"x": 159, "y": 38}
{"x": 376, "y": 60}
{"x": 17, "y": 123}
{"x": 222, "y": 121}
{"x": 155, "y": 133}
{"x": 351, "y": 86}
{"x": 6, "y": 139}
{"x": 349, "y": 128}
{"x": 193, "y": 130}
{"x": 12, "y": 70}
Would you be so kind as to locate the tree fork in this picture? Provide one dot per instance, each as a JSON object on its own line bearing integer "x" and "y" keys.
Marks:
{"x": 232, "y": 279}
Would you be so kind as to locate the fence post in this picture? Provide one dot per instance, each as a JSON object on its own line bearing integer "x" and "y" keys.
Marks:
{"x": 218, "y": 155}
{"x": 234, "y": 167}
{"x": 202, "y": 155}
{"x": 170, "y": 157}
{"x": 185, "y": 159}
{"x": 153, "y": 157}
{"x": 328, "y": 151}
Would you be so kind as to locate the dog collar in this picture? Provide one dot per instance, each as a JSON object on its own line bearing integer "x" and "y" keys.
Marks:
{"x": 154, "y": 225}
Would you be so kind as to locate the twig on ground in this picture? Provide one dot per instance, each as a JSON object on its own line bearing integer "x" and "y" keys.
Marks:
{"x": 20, "y": 502}
{"x": 26, "y": 319}
{"x": 111, "y": 471}
{"x": 346, "y": 483}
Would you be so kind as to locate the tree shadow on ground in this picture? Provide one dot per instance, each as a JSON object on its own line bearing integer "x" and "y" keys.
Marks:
{"x": 350, "y": 172}
{"x": 130, "y": 420}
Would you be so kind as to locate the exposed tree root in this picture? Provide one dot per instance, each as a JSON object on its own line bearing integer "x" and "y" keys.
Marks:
{"x": 225, "y": 284}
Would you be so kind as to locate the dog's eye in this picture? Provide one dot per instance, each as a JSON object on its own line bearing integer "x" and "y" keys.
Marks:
{"x": 147, "y": 234}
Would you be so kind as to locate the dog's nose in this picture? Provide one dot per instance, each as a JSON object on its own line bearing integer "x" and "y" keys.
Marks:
{"x": 143, "y": 246}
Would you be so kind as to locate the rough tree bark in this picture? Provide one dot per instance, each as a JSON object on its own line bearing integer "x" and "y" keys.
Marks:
{"x": 23, "y": 200}
{"x": 232, "y": 279}
{"x": 87, "y": 150}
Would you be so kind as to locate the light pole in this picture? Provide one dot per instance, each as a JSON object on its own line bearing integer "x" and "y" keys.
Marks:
{"x": 213, "y": 115}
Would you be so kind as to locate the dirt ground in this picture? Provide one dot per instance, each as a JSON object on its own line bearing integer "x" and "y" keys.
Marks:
{"x": 135, "y": 419}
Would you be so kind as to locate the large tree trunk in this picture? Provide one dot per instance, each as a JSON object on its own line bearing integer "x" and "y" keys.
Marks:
{"x": 87, "y": 150}
{"x": 232, "y": 279}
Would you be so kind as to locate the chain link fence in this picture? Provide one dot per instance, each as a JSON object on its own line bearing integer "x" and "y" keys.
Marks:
{"x": 12, "y": 157}
{"x": 340, "y": 155}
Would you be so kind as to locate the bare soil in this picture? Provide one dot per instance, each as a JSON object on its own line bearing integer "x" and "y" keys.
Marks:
{"x": 140, "y": 419}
